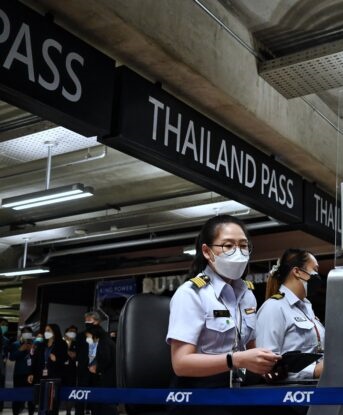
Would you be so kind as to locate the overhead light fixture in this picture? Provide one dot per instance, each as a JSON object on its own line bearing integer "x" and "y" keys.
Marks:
{"x": 24, "y": 271}
{"x": 48, "y": 196}
{"x": 189, "y": 250}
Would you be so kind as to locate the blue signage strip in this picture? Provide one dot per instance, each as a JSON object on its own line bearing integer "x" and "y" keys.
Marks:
{"x": 239, "y": 396}
{"x": 152, "y": 125}
{"x": 47, "y": 71}
{"x": 16, "y": 394}
{"x": 278, "y": 396}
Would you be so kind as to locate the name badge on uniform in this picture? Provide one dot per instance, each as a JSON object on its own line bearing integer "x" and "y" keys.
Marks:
{"x": 300, "y": 319}
{"x": 45, "y": 372}
{"x": 250, "y": 310}
{"x": 29, "y": 361}
{"x": 221, "y": 313}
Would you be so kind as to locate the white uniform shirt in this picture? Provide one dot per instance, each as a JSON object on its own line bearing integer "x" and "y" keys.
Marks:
{"x": 192, "y": 315}
{"x": 288, "y": 324}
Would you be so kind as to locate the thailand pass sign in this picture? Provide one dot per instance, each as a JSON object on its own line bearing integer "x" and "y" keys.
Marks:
{"x": 154, "y": 126}
{"x": 323, "y": 215}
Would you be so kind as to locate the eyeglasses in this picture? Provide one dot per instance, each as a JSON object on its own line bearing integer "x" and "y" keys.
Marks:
{"x": 229, "y": 248}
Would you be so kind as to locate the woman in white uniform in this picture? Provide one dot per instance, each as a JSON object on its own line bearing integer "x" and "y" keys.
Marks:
{"x": 212, "y": 317}
{"x": 286, "y": 321}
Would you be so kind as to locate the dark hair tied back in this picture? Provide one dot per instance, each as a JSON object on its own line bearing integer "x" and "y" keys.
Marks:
{"x": 291, "y": 258}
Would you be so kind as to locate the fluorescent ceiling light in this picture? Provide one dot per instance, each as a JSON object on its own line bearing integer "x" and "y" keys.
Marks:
{"x": 189, "y": 250}
{"x": 24, "y": 271}
{"x": 48, "y": 197}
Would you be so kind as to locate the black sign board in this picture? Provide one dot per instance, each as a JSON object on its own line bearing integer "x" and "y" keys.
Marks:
{"x": 154, "y": 126}
{"x": 321, "y": 214}
{"x": 51, "y": 73}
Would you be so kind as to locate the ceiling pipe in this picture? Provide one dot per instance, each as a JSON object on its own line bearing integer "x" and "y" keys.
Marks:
{"x": 127, "y": 244}
{"x": 146, "y": 241}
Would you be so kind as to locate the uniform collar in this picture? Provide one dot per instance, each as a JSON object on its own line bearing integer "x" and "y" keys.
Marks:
{"x": 238, "y": 286}
{"x": 291, "y": 297}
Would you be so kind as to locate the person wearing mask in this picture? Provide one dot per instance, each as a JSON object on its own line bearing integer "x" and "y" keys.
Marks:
{"x": 21, "y": 354}
{"x": 5, "y": 344}
{"x": 212, "y": 317}
{"x": 92, "y": 318}
{"x": 49, "y": 357}
{"x": 286, "y": 321}
{"x": 69, "y": 378}
{"x": 101, "y": 365}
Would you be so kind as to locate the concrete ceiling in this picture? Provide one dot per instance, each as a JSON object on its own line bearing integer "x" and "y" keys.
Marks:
{"x": 131, "y": 197}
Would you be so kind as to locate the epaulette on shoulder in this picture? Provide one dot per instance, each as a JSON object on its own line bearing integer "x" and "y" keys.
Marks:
{"x": 200, "y": 281}
{"x": 278, "y": 296}
{"x": 249, "y": 284}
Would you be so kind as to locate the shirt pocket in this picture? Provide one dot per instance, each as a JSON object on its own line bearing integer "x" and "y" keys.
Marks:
{"x": 218, "y": 335}
{"x": 304, "y": 324}
{"x": 306, "y": 335}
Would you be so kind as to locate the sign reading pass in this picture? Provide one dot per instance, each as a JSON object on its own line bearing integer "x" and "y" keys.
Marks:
{"x": 51, "y": 73}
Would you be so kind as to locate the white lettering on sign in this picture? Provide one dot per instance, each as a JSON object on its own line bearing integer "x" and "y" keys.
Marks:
{"x": 79, "y": 394}
{"x": 298, "y": 396}
{"x": 326, "y": 213}
{"x": 276, "y": 187}
{"x": 178, "y": 396}
{"x": 21, "y": 51}
{"x": 189, "y": 139}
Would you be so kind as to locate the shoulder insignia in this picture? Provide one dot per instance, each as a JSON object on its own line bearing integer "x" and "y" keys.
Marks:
{"x": 249, "y": 284}
{"x": 200, "y": 281}
{"x": 278, "y": 296}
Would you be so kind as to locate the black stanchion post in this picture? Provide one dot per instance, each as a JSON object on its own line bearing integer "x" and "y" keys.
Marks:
{"x": 49, "y": 400}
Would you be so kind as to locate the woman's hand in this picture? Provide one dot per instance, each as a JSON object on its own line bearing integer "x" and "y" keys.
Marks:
{"x": 92, "y": 369}
{"x": 260, "y": 361}
{"x": 30, "y": 379}
{"x": 53, "y": 357}
{"x": 318, "y": 369}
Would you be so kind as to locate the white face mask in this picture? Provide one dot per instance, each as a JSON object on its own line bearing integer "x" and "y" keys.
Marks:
{"x": 231, "y": 266}
{"x": 27, "y": 336}
{"x": 48, "y": 335}
{"x": 89, "y": 340}
{"x": 71, "y": 334}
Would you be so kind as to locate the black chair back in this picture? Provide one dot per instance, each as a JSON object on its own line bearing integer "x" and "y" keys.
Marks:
{"x": 143, "y": 356}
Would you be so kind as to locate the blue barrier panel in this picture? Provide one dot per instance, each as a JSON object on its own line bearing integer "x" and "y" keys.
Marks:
{"x": 16, "y": 394}
{"x": 240, "y": 396}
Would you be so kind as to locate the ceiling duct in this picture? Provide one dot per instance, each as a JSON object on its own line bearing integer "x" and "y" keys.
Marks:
{"x": 306, "y": 72}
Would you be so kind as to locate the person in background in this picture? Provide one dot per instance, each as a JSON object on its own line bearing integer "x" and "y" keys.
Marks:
{"x": 92, "y": 318}
{"x": 4, "y": 354}
{"x": 101, "y": 365}
{"x": 38, "y": 339}
{"x": 21, "y": 354}
{"x": 50, "y": 356}
{"x": 212, "y": 317}
{"x": 69, "y": 378}
{"x": 286, "y": 321}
